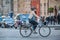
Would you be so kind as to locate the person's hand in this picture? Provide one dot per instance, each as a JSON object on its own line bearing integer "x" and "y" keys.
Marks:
{"x": 38, "y": 19}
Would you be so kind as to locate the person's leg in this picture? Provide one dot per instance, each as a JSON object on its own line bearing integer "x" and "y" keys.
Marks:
{"x": 31, "y": 21}
{"x": 34, "y": 27}
{"x": 34, "y": 23}
{"x": 51, "y": 21}
{"x": 54, "y": 21}
{"x": 16, "y": 25}
{"x": 59, "y": 21}
{"x": 0, "y": 24}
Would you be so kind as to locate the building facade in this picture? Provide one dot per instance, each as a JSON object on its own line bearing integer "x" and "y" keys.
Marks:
{"x": 5, "y": 6}
{"x": 21, "y": 6}
{"x": 53, "y": 4}
{"x": 1, "y": 11}
{"x": 44, "y": 4}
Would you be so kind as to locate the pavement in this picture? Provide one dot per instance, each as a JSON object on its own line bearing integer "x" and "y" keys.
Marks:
{"x": 13, "y": 34}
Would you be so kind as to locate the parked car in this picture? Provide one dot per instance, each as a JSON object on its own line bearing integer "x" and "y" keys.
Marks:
{"x": 8, "y": 22}
{"x": 0, "y": 21}
{"x": 20, "y": 18}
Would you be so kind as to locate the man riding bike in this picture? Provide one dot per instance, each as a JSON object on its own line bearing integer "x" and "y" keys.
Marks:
{"x": 26, "y": 29}
{"x": 33, "y": 22}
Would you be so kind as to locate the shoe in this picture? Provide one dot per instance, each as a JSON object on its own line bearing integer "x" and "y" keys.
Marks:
{"x": 34, "y": 32}
{"x": 15, "y": 27}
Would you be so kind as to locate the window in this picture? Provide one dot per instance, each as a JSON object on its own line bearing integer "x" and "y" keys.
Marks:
{"x": 7, "y": 1}
{"x": 40, "y": 8}
{"x": 44, "y": 8}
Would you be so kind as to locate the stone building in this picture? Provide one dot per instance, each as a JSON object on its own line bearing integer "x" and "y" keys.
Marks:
{"x": 20, "y": 6}
{"x": 44, "y": 4}
{"x": 53, "y": 3}
{"x": 1, "y": 8}
{"x": 40, "y": 5}
{"x": 5, "y": 6}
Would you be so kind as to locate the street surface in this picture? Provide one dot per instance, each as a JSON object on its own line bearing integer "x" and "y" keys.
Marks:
{"x": 13, "y": 34}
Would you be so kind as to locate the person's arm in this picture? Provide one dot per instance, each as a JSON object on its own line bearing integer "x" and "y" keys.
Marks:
{"x": 36, "y": 15}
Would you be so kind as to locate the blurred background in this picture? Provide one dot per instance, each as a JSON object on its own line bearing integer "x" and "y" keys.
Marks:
{"x": 20, "y": 6}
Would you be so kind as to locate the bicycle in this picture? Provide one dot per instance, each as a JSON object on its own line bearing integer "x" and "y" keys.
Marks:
{"x": 27, "y": 29}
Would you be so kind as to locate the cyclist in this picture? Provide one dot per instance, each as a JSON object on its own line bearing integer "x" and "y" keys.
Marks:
{"x": 33, "y": 22}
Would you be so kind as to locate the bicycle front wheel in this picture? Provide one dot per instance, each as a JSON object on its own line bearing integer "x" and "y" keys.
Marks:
{"x": 25, "y": 31}
{"x": 44, "y": 31}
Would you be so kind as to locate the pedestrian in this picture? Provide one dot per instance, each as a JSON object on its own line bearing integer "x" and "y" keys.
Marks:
{"x": 51, "y": 19}
{"x": 11, "y": 14}
{"x": 48, "y": 19}
{"x": 55, "y": 15}
{"x": 58, "y": 17}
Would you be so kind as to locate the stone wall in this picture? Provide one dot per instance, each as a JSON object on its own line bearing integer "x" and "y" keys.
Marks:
{"x": 6, "y": 6}
{"x": 20, "y": 6}
{"x": 44, "y": 8}
{"x": 0, "y": 7}
{"x": 53, "y": 3}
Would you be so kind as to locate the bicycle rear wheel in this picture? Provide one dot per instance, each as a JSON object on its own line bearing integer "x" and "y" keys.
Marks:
{"x": 25, "y": 31}
{"x": 44, "y": 31}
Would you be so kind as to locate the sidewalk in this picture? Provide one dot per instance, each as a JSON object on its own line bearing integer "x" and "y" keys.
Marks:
{"x": 52, "y": 25}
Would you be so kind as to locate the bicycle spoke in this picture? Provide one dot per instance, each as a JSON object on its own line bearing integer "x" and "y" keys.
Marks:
{"x": 25, "y": 32}
{"x": 44, "y": 31}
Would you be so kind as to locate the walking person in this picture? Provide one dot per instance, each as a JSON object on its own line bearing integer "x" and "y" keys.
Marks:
{"x": 58, "y": 17}
{"x": 55, "y": 15}
{"x": 11, "y": 14}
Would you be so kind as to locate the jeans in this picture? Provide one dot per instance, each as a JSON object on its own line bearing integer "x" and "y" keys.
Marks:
{"x": 34, "y": 23}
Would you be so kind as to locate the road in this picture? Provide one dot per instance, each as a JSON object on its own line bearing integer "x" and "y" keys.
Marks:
{"x": 13, "y": 34}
